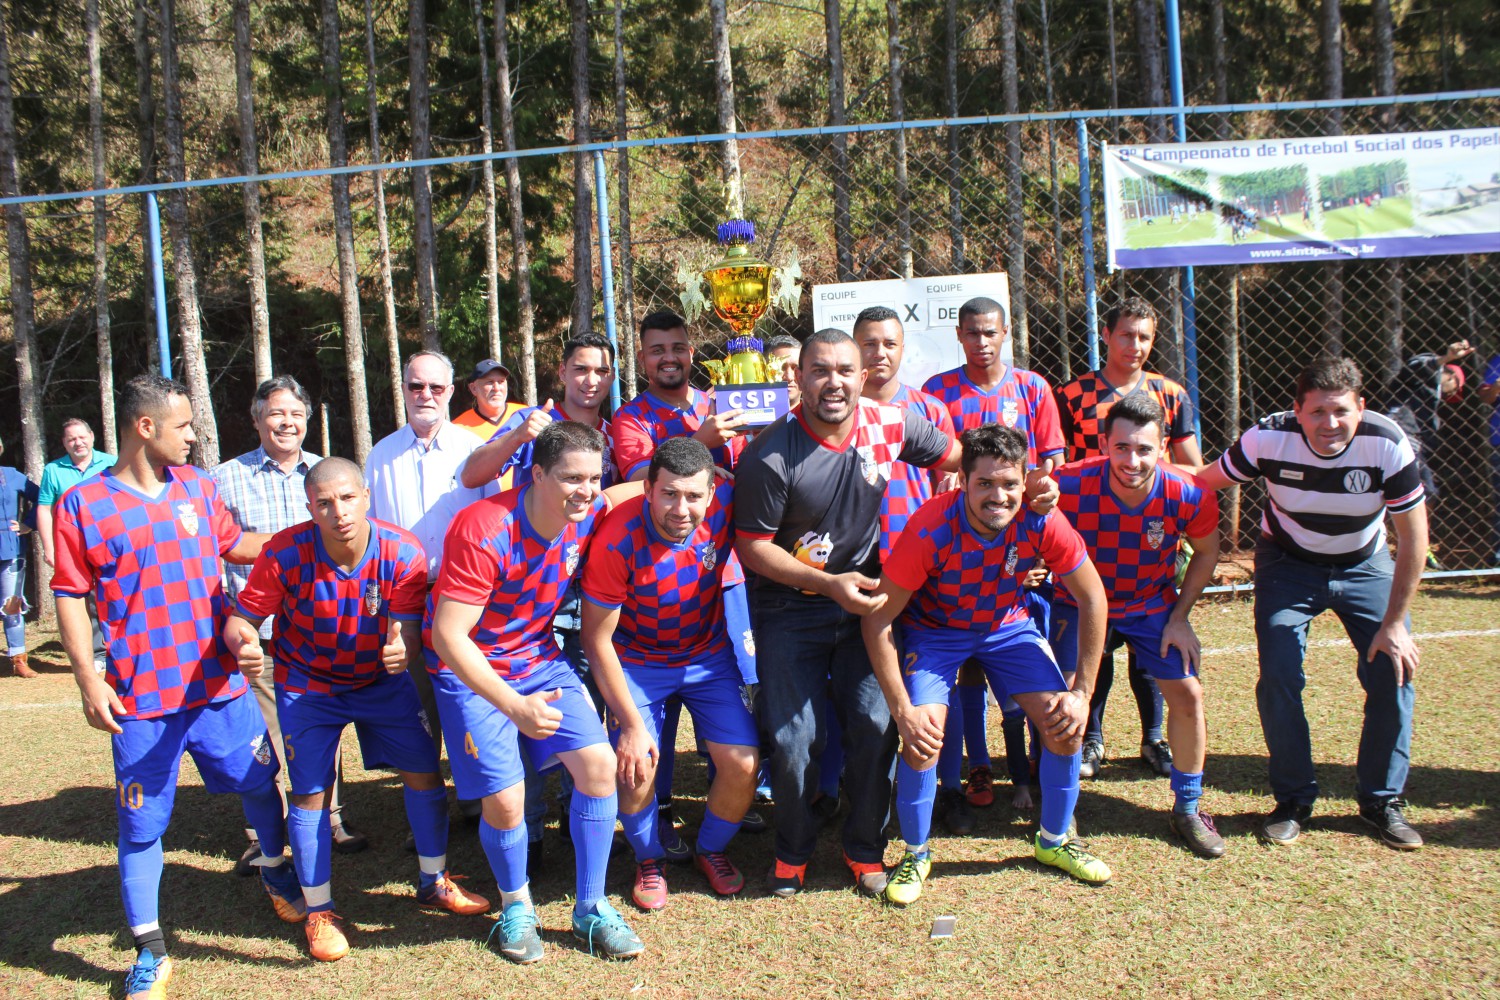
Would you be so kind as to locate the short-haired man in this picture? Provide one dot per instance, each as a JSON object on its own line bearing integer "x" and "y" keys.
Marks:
{"x": 955, "y": 582}
{"x": 489, "y": 387}
{"x": 985, "y": 390}
{"x": 370, "y": 579}
{"x": 17, "y": 519}
{"x": 782, "y": 351}
{"x": 170, "y": 686}
{"x": 1332, "y": 473}
{"x": 1133, "y": 511}
{"x": 1083, "y": 404}
{"x": 653, "y": 625}
{"x": 807, "y": 522}
{"x": 78, "y": 462}
{"x": 505, "y": 689}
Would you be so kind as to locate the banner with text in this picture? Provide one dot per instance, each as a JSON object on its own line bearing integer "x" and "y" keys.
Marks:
{"x": 1409, "y": 194}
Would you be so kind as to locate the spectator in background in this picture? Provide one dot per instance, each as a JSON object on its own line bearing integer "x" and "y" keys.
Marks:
{"x": 18, "y": 507}
{"x": 489, "y": 385}
{"x": 1425, "y": 382}
{"x": 79, "y": 462}
{"x": 1489, "y": 395}
{"x": 782, "y": 351}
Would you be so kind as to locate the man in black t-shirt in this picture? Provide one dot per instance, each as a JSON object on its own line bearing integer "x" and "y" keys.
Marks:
{"x": 807, "y": 516}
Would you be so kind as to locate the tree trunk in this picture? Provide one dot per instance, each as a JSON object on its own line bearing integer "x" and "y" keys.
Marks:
{"x": 487, "y": 141}
{"x": 382, "y": 230}
{"x": 627, "y": 266}
{"x": 190, "y": 329}
{"x": 734, "y": 194}
{"x": 424, "y": 240}
{"x": 526, "y": 313}
{"x": 146, "y": 140}
{"x": 583, "y": 211}
{"x": 104, "y": 343}
{"x": 843, "y": 237}
{"x": 898, "y": 112}
{"x": 1114, "y": 66}
{"x": 1331, "y": 29}
{"x": 1015, "y": 207}
{"x": 343, "y": 223}
{"x": 1395, "y": 273}
{"x": 1063, "y": 338}
{"x": 255, "y": 248}
{"x": 955, "y": 147}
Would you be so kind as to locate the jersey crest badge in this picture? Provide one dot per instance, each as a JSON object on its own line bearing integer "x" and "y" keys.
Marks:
{"x": 1012, "y": 556}
{"x": 188, "y": 515}
{"x": 1357, "y": 481}
{"x": 571, "y": 559}
{"x": 372, "y": 598}
{"x": 1156, "y": 532}
{"x": 710, "y": 557}
{"x": 749, "y": 642}
{"x": 261, "y": 749}
{"x": 1010, "y": 412}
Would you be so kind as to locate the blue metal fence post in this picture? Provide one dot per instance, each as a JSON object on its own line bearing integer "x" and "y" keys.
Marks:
{"x": 158, "y": 282}
{"x": 1086, "y": 211}
{"x": 1189, "y": 288}
{"x": 606, "y": 272}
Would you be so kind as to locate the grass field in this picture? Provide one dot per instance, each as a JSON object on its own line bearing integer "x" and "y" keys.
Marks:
{"x": 1337, "y": 914}
{"x": 1355, "y": 220}
{"x": 1164, "y": 232}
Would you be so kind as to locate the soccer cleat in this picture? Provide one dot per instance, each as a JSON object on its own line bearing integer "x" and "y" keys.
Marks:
{"x": 1073, "y": 859}
{"x": 869, "y": 877}
{"x": 1158, "y": 756}
{"x": 674, "y": 848}
{"x": 280, "y": 883}
{"x": 1199, "y": 833}
{"x": 754, "y": 821}
{"x": 447, "y": 894}
{"x": 723, "y": 877}
{"x": 904, "y": 886}
{"x": 981, "y": 791}
{"x": 245, "y": 866}
{"x": 147, "y": 978}
{"x": 1093, "y": 759}
{"x": 650, "y": 889}
{"x": 606, "y": 933}
{"x": 1387, "y": 819}
{"x": 1284, "y": 825}
{"x": 516, "y": 930}
{"x": 325, "y": 936}
{"x": 786, "y": 880}
{"x": 952, "y": 810}
{"x": 347, "y": 840}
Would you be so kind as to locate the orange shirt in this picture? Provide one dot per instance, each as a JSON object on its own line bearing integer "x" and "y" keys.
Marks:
{"x": 471, "y": 420}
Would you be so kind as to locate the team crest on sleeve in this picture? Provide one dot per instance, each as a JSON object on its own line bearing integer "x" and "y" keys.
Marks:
{"x": 188, "y": 515}
{"x": 1010, "y": 412}
{"x": 710, "y": 556}
{"x": 748, "y": 642}
{"x": 571, "y": 559}
{"x": 1156, "y": 532}
{"x": 260, "y": 747}
{"x": 372, "y": 598}
{"x": 1012, "y": 556}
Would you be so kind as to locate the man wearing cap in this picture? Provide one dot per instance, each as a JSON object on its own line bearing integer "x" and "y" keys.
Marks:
{"x": 489, "y": 384}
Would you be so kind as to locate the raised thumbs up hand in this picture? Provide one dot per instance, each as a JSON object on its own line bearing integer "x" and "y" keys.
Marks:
{"x": 537, "y": 421}
{"x": 393, "y": 653}
{"x": 250, "y": 657}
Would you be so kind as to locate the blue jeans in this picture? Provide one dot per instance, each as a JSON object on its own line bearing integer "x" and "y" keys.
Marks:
{"x": 12, "y": 584}
{"x": 810, "y": 652}
{"x": 1289, "y": 594}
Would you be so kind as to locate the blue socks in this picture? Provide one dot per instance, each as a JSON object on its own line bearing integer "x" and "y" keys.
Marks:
{"x": 641, "y": 832}
{"x": 506, "y": 851}
{"x": 950, "y": 765}
{"x": 592, "y": 822}
{"x": 312, "y": 855}
{"x": 1059, "y": 780}
{"x": 140, "y": 884}
{"x": 915, "y": 793}
{"x": 976, "y": 707}
{"x": 263, "y": 815}
{"x": 715, "y": 833}
{"x": 427, "y": 812}
{"x": 1187, "y": 789}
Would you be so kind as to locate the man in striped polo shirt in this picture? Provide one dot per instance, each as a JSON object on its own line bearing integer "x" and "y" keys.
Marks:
{"x": 1332, "y": 473}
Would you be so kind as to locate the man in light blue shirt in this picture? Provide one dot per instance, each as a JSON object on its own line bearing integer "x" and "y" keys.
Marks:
{"x": 78, "y": 462}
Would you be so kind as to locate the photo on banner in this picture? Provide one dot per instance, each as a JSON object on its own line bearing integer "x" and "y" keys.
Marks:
{"x": 1321, "y": 198}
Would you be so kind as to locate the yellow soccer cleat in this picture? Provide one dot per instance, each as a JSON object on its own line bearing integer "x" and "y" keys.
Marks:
{"x": 1073, "y": 859}
{"x": 905, "y": 884}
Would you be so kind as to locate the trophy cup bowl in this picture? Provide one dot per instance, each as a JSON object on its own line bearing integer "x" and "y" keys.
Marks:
{"x": 740, "y": 290}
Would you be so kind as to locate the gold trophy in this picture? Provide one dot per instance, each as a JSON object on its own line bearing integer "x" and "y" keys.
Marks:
{"x": 739, "y": 288}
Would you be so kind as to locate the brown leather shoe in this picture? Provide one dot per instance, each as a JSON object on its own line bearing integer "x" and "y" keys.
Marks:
{"x": 19, "y": 666}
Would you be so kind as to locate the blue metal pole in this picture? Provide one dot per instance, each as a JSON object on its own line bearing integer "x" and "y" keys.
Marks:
{"x": 158, "y": 282}
{"x": 1189, "y": 287}
{"x": 1086, "y": 209}
{"x": 606, "y": 272}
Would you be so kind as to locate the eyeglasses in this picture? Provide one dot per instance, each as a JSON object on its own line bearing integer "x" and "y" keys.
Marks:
{"x": 417, "y": 388}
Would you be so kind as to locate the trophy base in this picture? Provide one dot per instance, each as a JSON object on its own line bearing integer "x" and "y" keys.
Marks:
{"x": 759, "y": 403}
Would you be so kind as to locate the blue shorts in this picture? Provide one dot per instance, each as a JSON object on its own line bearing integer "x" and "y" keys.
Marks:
{"x": 484, "y": 745}
{"x": 1015, "y": 658}
{"x": 712, "y": 692}
{"x": 229, "y": 744}
{"x": 388, "y": 719}
{"x": 1142, "y": 633}
{"x": 737, "y": 624}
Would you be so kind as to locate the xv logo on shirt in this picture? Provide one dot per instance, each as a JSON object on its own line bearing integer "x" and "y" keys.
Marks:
{"x": 1357, "y": 481}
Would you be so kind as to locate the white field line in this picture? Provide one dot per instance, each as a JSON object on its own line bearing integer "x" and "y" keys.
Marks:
{"x": 1325, "y": 643}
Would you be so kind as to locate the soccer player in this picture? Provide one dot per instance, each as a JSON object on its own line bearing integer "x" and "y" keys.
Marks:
{"x": 504, "y": 688}
{"x": 954, "y": 583}
{"x": 985, "y": 390}
{"x": 347, "y": 594}
{"x": 1133, "y": 512}
{"x": 1129, "y": 333}
{"x": 145, "y": 536}
{"x": 653, "y": 625}
{"x": 1333, "y": 472}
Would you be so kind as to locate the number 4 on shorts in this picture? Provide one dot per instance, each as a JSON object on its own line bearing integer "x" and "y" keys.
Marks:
{"x": 469, "y": 747}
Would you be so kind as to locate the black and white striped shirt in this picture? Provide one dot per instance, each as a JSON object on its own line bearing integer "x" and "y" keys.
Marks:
{"x": 1327, "y": 508}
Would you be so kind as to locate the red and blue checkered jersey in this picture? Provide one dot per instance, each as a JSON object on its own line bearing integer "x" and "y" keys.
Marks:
{"x": 961, "y": 581}
{"x": 1084, "y": 403}
{"x": 1022, "y": 400}
{"x": 331, "y": 625}
{"x": 494, "y": 559}
{"x": 910, "y": 486}
{"x": 1134, "y": 549}
{"x": 671, "y": 610}
{"x": 153, "y": 565}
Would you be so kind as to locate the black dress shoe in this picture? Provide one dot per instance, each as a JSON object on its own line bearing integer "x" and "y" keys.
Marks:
{"x": 1285, "y": 824}
{"x": 1388, "y": 821}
